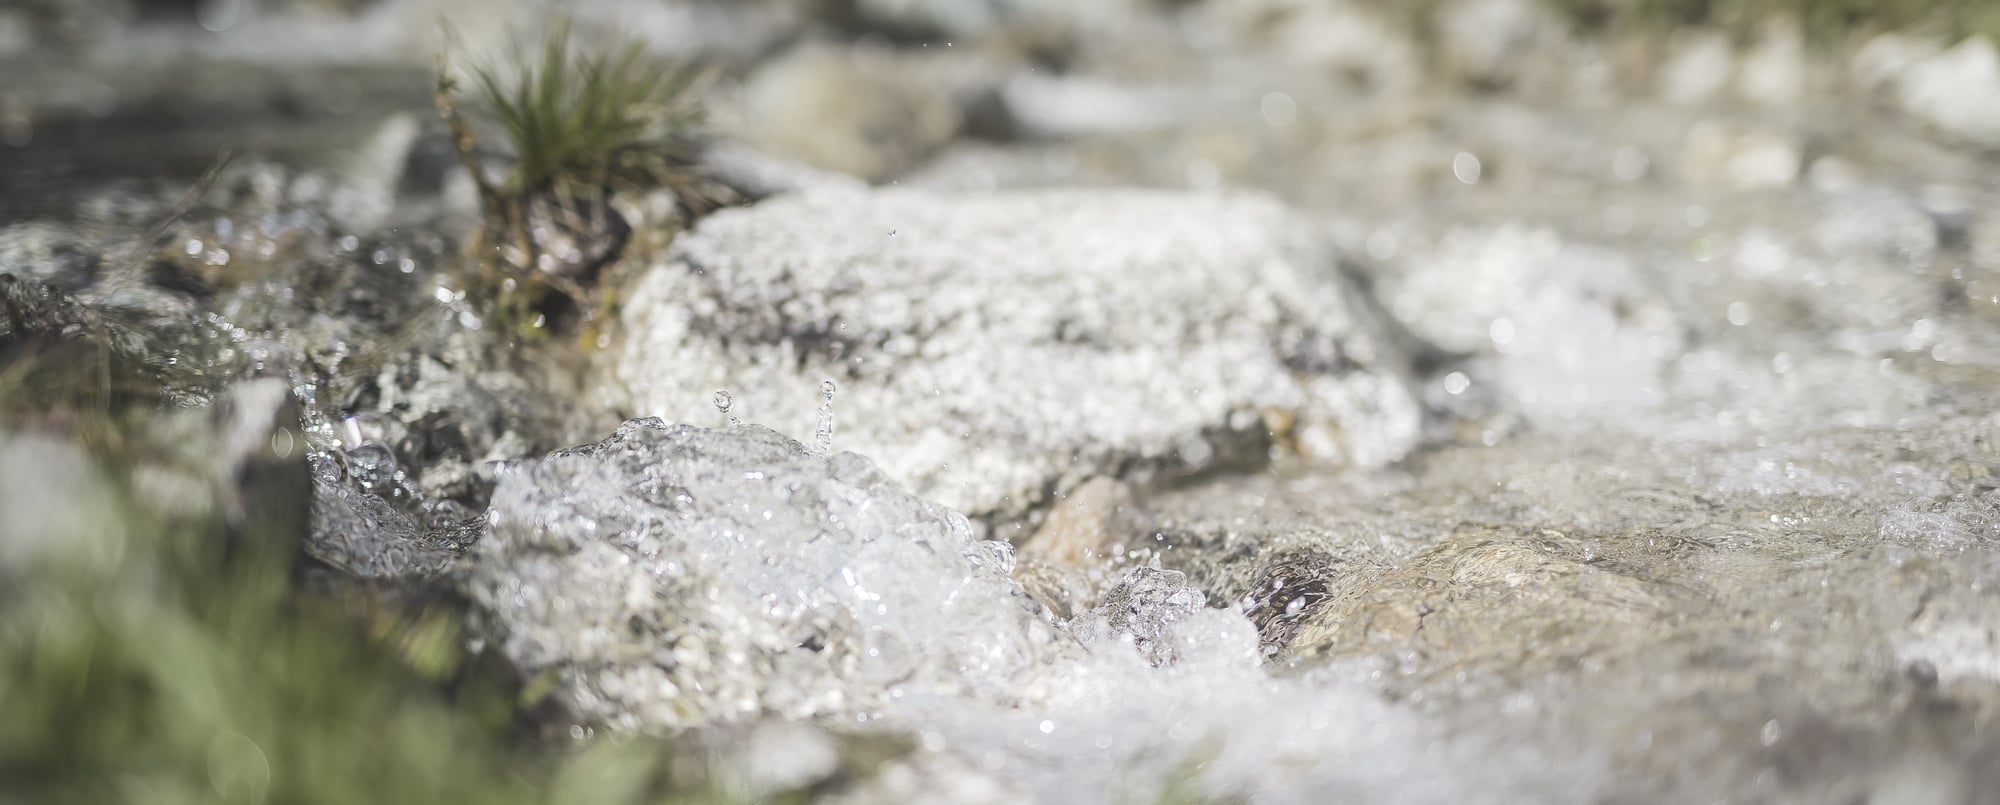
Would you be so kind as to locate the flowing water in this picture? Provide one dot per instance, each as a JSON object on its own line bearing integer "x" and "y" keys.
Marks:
{"x": 1699, "y": 340}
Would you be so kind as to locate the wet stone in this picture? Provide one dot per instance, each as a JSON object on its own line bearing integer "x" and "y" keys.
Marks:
{"x": 993, "y": 349}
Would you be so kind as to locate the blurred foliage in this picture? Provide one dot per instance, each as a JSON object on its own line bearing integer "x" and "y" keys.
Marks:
{"x": 1821, "y": 20}
{"x": 154, "y": 655}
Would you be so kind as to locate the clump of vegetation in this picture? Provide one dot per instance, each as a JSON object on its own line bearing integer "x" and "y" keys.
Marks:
{"x": 1822, "y": 21}
{"x": 583, "y": 124}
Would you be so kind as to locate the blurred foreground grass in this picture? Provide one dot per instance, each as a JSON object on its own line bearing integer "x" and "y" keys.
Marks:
{"x": 160, "y": 641}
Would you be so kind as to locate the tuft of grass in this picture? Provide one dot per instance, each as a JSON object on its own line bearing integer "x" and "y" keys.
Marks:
{"x": 582, "y": 120}
{"x": 583, "y": 124}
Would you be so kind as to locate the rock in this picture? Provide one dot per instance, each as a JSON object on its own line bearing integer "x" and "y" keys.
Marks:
{"x": 1773, "y": 73}
{"x": 1079, "y": 545}
{"x": 1063, "y": 591}
{"x": 1698, "y": 66}
{"x": 679, "y": 576}
{"x": 865, "y": 111}
{"x": 403, "y": 407}
{"x": 16, "y": 35}
{"x": 1487, "y": 42}
{"x": 1057, "y": 108}
{"x": 757, "y": 175}
{"x": 364, "y": 194}
{"x": 993, "y": 349}
{"x": 1739, "y": 158}
{"x": 1878, "y": 222}
{"x": 1091, "y": 524}
{"x": 71, "y": 23}
{"x": 1957, "y": 91}
{"x": 1454, "y": 597}
{"x": 1575, "y": 330}
{"x": 1051, "y": 29}
{"x": 1882, "y": 61}
{"x": 1344, "y": 39}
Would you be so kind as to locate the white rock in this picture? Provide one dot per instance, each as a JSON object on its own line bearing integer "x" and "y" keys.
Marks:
{"x": 1698, "y": 68}
{"x": 990, "y": 349}
{"x": 1333, "y": 38}
{"x": 868, "y": 112}
{"x": 1773, "y": 72}
{"x": 1882, "y": 61}
{"x": 1486, "y": 41}
{"x": 1739, "y": 158}
{"x": 1957, "y": 91}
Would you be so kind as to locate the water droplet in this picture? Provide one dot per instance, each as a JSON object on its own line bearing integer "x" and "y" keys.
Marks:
{"x": 892, "y": 233}
{"x": 1466, "y": 168}
{"x": 1048, "y": 727}
{"x": 1738, "y": 313}
{"x": 723, "y": 402}
{"x": 823, "y": 436}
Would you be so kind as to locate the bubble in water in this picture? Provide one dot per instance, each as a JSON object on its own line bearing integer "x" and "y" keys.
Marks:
{"x": 823, "y": 436}
{"x": 723, "y": 402}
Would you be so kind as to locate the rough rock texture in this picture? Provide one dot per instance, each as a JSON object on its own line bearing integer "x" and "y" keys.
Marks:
{"x": 1807, "y": 639}
{"x": 1063, "y": 565}
{"x": 990, "y": 350}
{"x": 673, "y": 576}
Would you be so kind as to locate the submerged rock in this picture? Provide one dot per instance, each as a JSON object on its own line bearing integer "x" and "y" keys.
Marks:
{"x": 672, "y": 576}
{"x": 676, "y": 576}
{"x": 992, "y": 350}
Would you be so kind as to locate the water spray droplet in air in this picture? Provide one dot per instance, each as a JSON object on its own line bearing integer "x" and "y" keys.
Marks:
{"x": 823, "y": 437}
{"x": 723, "y": 401}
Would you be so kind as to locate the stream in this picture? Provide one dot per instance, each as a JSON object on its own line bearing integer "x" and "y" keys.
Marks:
{"x": 1255, "y": 401}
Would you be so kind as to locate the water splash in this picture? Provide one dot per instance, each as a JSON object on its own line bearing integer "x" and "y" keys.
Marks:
{"x": 723, "y": 402}
{"x": 823, "y": 437}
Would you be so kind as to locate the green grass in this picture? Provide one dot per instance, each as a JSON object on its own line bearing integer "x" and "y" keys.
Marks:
{"x": 581, "y": 120}
{"x": 1822, "y": 21}
{"x": 180, "y": 655}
